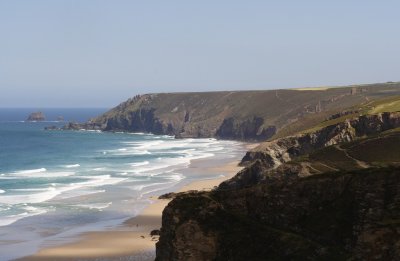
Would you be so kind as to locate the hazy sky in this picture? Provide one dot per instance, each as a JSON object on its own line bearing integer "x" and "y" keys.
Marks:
{"x": 93, "y": 53}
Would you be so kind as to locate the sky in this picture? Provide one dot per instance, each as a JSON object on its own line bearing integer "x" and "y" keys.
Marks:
{"x": 97, "y": 53}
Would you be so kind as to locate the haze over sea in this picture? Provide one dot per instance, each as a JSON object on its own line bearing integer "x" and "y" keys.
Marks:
{"x": 57, "y": 184}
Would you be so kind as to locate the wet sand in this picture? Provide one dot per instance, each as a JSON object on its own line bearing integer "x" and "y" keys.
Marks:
{"x": 131, "y": 240}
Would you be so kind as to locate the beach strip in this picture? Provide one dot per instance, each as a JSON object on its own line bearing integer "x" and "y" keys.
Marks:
{"x": 131, "y": 240}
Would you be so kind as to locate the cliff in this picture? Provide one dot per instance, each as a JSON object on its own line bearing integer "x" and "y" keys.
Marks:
{"x": 285, "y": 149}
{"x": 343, "y": 216}
{"x": 330, "y": 194}
{"x": 278, "y": 157}
{"x": 239, "y": 115}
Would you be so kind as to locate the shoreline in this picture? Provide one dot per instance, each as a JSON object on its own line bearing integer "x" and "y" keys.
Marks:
{"x": 131, "y": 240}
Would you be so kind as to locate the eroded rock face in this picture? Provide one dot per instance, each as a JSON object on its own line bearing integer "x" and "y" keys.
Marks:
{"x": 342, "y": 216}
{"x": 285, "y": 149}
{"x": 138, "y": 121}
{"x": 237, "y": 115}
{"x": 145, "y": 119}
{"x": 179, "y": 123}
{"x": 271, "y": 159}
{"x": 188, "y": 239}
{"x": 244, "y": 130}
{"x": 275, "y": 209}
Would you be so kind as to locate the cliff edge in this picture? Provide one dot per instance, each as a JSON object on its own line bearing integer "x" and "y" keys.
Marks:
{"x": 343, "y": 216}
{"x": 330, "y": 194}
{"x": 238, "y": 115}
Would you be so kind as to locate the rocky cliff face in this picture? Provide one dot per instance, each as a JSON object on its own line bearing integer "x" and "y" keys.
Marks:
{"x": 139, "y": 121}
{"x": 241, "y": 130}
{"x": 285, "y": 149}
{"x": 273, "y": 159}
{"x": 238, "y": 115}
{"x": 275, "y": 209}
{"x": 183, "y": 120}
{"x": 346, "y": 216}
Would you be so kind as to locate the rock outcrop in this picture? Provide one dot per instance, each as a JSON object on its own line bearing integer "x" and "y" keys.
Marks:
{"x": 285, "y": 149}
{"x": 339, "y": 216}
{"x": 36, "y": 116}
{"x": 242, "y": 130}
{"x": 273, "y": 159}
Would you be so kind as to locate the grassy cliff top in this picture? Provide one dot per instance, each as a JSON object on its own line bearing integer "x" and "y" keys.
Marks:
{"x": 288, "y": 110}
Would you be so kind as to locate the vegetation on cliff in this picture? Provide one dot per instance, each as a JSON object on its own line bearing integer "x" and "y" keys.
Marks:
{"x": 240, "y": 115}
{"x": 331, "y": 192}
{"x": 302, "y": 159}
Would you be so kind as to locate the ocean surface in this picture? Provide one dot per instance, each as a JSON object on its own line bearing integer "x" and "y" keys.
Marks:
{"x": 57, "y": 184}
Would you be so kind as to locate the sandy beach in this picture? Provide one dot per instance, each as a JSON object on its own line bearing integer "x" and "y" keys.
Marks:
{"x": 131, "y": 240}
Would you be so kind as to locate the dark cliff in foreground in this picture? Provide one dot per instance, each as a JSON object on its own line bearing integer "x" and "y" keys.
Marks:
{"x": 330, "y": 194}
{"x": 239, "y": 115}
{"x": 336, "y": 216}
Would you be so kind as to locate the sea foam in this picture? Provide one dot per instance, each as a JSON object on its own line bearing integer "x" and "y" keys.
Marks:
{"x": 30, "y": 211}
{"x": 39, "y": 174}
{"x": 98, "y": 206}
{"x": 72, "y": 166}
{"x": 30, "y": 171}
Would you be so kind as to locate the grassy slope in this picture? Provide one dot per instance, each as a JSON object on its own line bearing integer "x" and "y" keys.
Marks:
{"x": 373, "y": 106}
{"x": 376, "y": 151}
{"x": 380, "y": 150}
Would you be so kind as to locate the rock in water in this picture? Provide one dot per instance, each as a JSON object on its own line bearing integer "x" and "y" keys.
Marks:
{"x": 36, "y": 116}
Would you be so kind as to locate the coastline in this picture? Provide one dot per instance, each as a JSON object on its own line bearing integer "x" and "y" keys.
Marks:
{"x": 131, "y": 240}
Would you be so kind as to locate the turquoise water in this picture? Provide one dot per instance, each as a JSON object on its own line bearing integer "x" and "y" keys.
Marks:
{"x": 54, "y": 184}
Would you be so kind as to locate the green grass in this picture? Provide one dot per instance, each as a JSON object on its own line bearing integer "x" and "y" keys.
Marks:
{"x": 387, "y": 104}
{"x": 390, "y": 104}
{"x": 331, "y": 122}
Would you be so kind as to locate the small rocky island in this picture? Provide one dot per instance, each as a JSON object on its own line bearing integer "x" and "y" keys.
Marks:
{"x": 36, "y": 116}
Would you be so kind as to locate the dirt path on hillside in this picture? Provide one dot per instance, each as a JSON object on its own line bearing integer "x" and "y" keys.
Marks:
{"x": 360, "y": 163}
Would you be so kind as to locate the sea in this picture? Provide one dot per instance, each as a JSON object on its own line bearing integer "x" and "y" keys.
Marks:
{"x": 57, "y": 184}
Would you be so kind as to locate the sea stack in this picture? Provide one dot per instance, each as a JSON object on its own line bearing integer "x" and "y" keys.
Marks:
{"x": 36, "y": 116}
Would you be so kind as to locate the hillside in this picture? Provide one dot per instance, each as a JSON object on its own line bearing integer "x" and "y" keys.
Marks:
{"x": 240, "y": 115}
{"x": 328, "y": 194}
{"x": 335, "y": 148}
